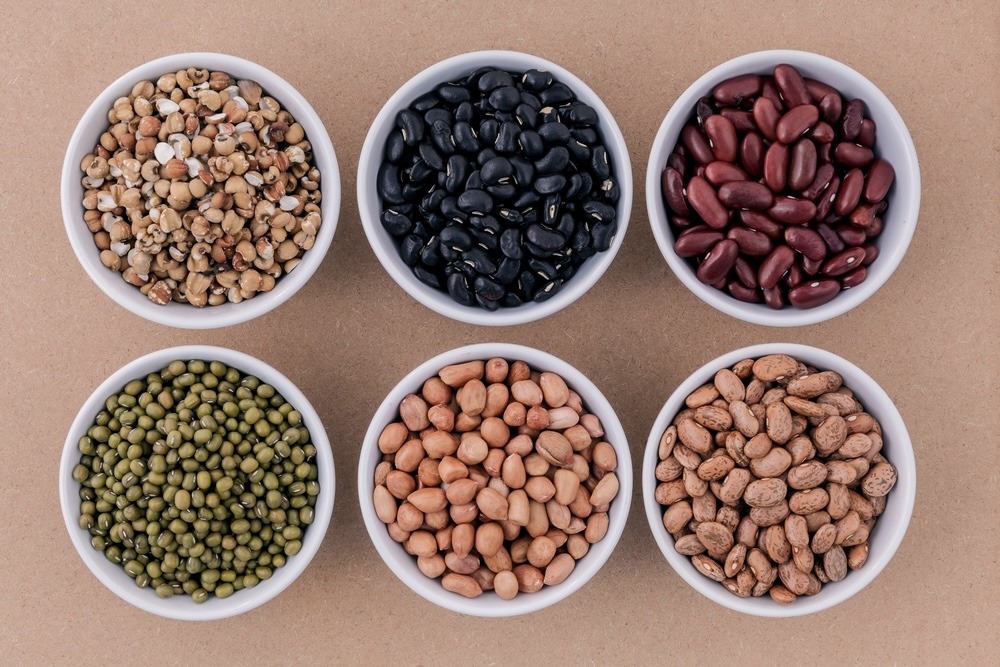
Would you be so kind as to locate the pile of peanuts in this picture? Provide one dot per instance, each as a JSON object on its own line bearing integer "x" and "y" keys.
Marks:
{"x": 495, "y": 478}
{"x": 772, "y": 478}
{"x": 202, "y": 190}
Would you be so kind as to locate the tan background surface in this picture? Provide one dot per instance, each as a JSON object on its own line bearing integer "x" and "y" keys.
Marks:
{"x": 929, "y": 336}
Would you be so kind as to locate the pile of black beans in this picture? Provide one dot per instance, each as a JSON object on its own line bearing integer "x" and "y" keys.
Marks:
{"x": 497, "y": 187}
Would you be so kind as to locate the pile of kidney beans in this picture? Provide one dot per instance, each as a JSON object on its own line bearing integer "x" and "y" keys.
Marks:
{"x": 498, "y": 187}
{"x": 774, "y": 190}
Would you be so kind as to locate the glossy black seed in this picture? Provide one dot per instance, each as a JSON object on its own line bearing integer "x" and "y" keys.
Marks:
{"x": 492, "y": 79}
{"x": 458, "y": 289}
{"x": 412, "y": 125}
{"x": 496, "y": 169}
{"x": 474, "y": 181}
{"x": 585, "y": 135}
{"x": 542, "y": 269}
{"x": 389, "y": 186}
{"x": 456, "y": 171}
{"x": 454, "y": 236}
{"x": 580, "y": 238}
{"x": 557, "y": 94}
{"x": 465, "y": 112}
{"x": 505, "y": 98}
{"x": 531, "y": 144}
{"x": 525, "y": 116}
{"x": 427, "y": 277}
{"x": 412, "y": 192}
{"x": 525, "y": 201}
{"x": 566, "y": 226}
{"x": 449, "y": 255}
{"x": 488, "y": 289}
{"x": 551, "y": 210}
{"x": 436, "y": 222}
{"x": 545, "y": 238}
{"x": 395, "y": 147}
{"x": 420, "y": 172}
{"x": 603, "y": 234}
{"x": 610, "y": 191}
{"x": 506, "y": 141}
{"x": 486, "y": 304}
{"x": 548, "y": 290}
{"x": 430, "y": 254}
{"x": 438, "y": 114}
{"x": 524, "y": 172}
{"x": 488, "y": 240}
{"x": 599, "y": 165}
{"x": 507, "y": 271}
{"x": 598, "y": 211}
{"x": 432, "y": 202}
{"x": 536, "y": 80}
{"x": 422, "y": 230}
{"x": 475, "y": 201}
{"x": 425, "y": 101}
{"x": 502, "y": 192}
{"x": 453, "y": 95}
{"x": 537, "y": 251}
{"x": 485, "y": 223}
{"x": 579, "y": 152}
{"x": 554, "y": 133}
{"x": 396, "y": 223}
{"x": 574, "y": 187}
{"x": 531, "y": 100}
{"x": 484, "y": 156}
{"x": 555, "y": 161}
{"x": 441, "y": 136}
{"x": 409, "y": 249}
{"x": 464, "y": 138}
{"x": 527, "y": 282}
{"x": 510, "y": 216}
{"x": 451, "y": 210}
{"x": 488, "y": 131}
{"x": 431, "y": 157}
{"x": 479, "y": 260}
{"x": 581, "y": 115}
{"x": 551, "y": 184}
{"x": 511, "y": 300}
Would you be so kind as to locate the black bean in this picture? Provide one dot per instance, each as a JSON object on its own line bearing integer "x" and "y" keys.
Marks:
{"x": 495, "y": 170}
{"x": 603, "y": 234}
{"x": 598, "y": 210}
{"x": 425, "y": 101}
{"x": 511, "y": 300}
{"x": 412, "y": 125}
{"x": 456, "y": 172}
{"x": 579, "y": 152}
{"x": 545, "y": 238}
{"x": 566, "y": 226}
{"x": 557, "y": 94}
{"x": 555, "y": 160}
{"x": 454, "y": 95}
{"x": 420, "y": 171}
{"x": 580, "y": 238}
{"x": 441, "y": 136}
{"x": 488, "y": 131}
{"x": 548, "y": 290}
{"x": 432, "y": 116}
{"x": 427, "y": 277}
{"x": 486, "y": 239}
{"x": 474, "y": 181}
{"x": 542, "y": 269}
{"x": 585, "y": 135}
{"x": 507, "y": 271}
{"x": 610, "y": 191}
{"x": 494, "y": 78}
{"x": 537, "y": 250}
{"x": 436, "y": 222}
{"x": 395, "y": 147}
{"x": 432, "y": 202}
{"x": 479, "y": 260}
{"x": 505, "y": 98}
{"x": 450, "y": 255}
{"x": 531, "y": 100}
{"x": 475, "y": 201}
{"x": 503, "y": 116}
{"x": 396, "y": 223}
{"x": 524, "y": 171}
{"x": 422, "y": 230}
{"x": 488, "y": 289}
{"x": 454, "y": 236}
{"x": 554, "y": 133}
{"x": 485, "y": 223}
{"x": 413, "y": 191}
{"x": 502, "y": 192}
{"x": 526, "y": 200}
{"x": 547, "y": 185}
{"x": 525, "y": 116}
{"x": 409, "y": 249}
{"x": 599, "y": 163}
{"x": 530, "y": 142}
{"x": 431, "y": 157}
{"x": 390, "y": 188}
{"x": 507, "y": 138}
{"x": 536, "y": 80}
{"x": 486, "y": 304}
{"x": 551, "y": 210}
{"x": 458, "y": 288}
{"x": 465, "y": 113}
{"x": 430, "y": 254}
{"x": 581, "y": 115}
{"x": 464, "y": 138}
{"x": 574, "y": 187}
{"x": 528, "y": 282}
{"x": 451, "y": 210}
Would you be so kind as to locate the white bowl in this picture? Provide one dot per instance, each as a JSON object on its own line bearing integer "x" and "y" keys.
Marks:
{"x": 489, "y": 604}
{"x": 182, "y": 315}
{"x": 891, "y": 525}
{"x": 384, "y": 245}
{"x": 181, "y": 607}
{"x": 894, "y": 144}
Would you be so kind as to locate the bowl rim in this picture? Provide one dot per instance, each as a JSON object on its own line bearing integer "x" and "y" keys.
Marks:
{"x": 488, "y": 605}
{"x": 181, "y": 607}
{"x": 903, "y": 494}
{"x": 180, "y": 315}
{"x": 383, "y": 246}
{"x": 906, "y": 203}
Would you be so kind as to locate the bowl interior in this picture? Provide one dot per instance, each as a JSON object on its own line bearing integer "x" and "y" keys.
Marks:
{"x": 404, "y": 566}
{"x": 94, "y": 122}
{"x": 893, "y": 144}
{"x": 889, "y": 529}
{"x": 385, "y": 246}
{"x": 182, "y": 607}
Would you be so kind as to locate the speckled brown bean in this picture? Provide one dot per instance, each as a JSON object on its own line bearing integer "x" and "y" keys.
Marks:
{"x": 702, "y": 198}
{"x": 722, "y": 136}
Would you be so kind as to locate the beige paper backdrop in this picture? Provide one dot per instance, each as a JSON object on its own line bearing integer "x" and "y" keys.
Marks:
{"x": 929, "y": 336}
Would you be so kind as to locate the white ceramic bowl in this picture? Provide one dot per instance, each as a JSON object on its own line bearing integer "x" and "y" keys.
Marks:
{"x": 385, "y": 246}
{"x": 182, "y": 607}
{"x": 891, "y": 525}
{"x": 182, "y": 315}
{"x": 489, "y": 604}
{"x": 894, "y": 144}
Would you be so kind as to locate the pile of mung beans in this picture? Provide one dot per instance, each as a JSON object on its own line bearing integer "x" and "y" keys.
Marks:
{"x": 197, "y": 480}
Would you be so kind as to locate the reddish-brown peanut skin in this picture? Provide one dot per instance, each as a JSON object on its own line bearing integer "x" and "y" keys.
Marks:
{"x": 746, "y": 194}
{"x": 796, "y": 122}
{"x": 718, "y": 262}
{"x": 774, "y": 266}
{"x": 878, "y": 181}
{"x": 696, "y": 241}
{"x": 722, "y": 134}
{"x": 702, "y": 198}
{"x": 791, "y": 85}
{"x": 813, "y": 293}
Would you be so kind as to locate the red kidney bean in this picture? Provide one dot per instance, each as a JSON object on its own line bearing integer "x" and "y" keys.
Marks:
{"x": 866, "y": 135}
{"x": 719, "y": 261}
{"x": 762, "y": 224}
{"x": 851, "y": 236}
{"x": 794, "y": 275}
{"x": 863, "y": 215}
{"x": 735, "y": 90}
{"x": 774, "y": 266}
{"x": 840, "y": 264}
{"x": 769, "y": 90}
{"x": 696, "y": 144}
{"x": 677, "y": 161}
{"x": 722, "y": 136}
{"x": 775, "y": 297}
{"x": 825, "y": 201}
{"x": 752, "y": 154}
{"x": 796, "y": 122}
{"x": 850, "y": 192}
{"x": 818, "y": 90}
{"x": 743, "y": 293}
{"x": 822, "y": 133}
{"x": 802, "y": 165}
{"x": 875, "y": 228}
{"x": 831, "y": 106}
{"x": 850, "y": 124}
{"x": 746, "y": 274}
{"x": 776, "y": 167}
{"x": 813, "y": 293}
{"x": 673, "y": 191}
{"x": 696, "y": 241}
{"x": 830, "y": 237}
{"x": 871, "y": 253}
{"x": 824, "y": 152}
{"x": 750, "y": 241}
{"x": 854, "y": 278}
{"x": 703, "y": 109}
{"x": 792, "y": 87}
{"x": 791, "y": 211}
{"x": 741, "y": 120}
{"x": 718, "y": 173}
{"x": 680, "y": 222}
{"x": 702, "y": 198}
{"x": 746, "y": 194}
{"x": 811, "y": 266}
{"x": 878, "y": 181}
{"x": 806, "y": 241}
{"x": 851, "y": 155}
{"x": 824, "y": 173}
{"x": 766, "y": 116}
